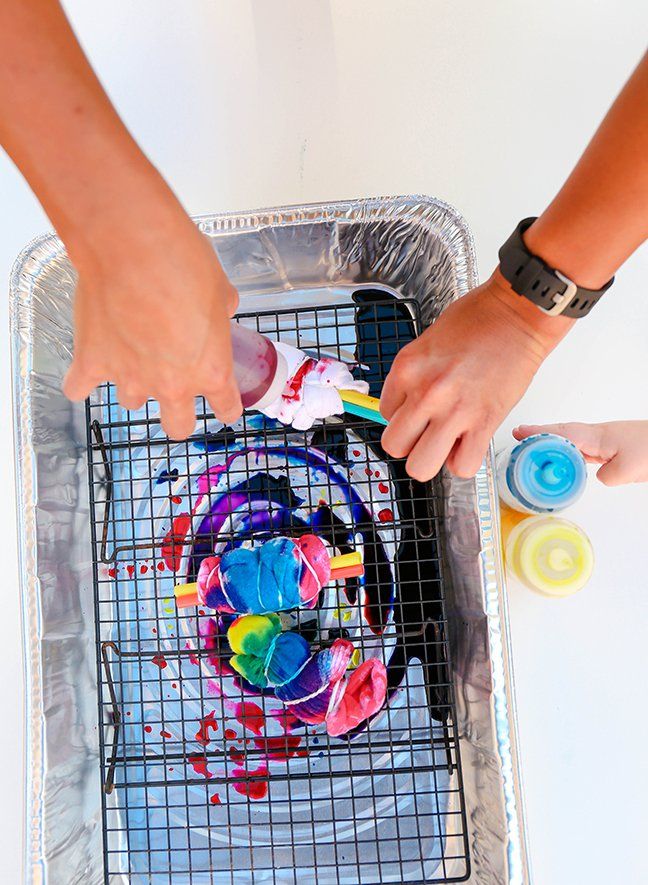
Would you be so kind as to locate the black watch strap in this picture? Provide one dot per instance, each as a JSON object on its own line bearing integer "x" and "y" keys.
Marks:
{"x": 546, "y": 287}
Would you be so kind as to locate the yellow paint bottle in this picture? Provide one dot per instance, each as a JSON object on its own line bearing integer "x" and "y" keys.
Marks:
{"x": 547, "y": 554}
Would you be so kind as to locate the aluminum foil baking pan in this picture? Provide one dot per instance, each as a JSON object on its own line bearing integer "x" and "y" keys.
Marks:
{"x": 416, "y": 247}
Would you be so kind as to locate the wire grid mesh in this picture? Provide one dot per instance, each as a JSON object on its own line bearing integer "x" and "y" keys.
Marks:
{"x": 205, "y": 781}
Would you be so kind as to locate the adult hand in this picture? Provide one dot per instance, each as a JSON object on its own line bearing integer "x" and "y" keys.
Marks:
{"x": 449, "y": 390}
{"x": 152, "y": 311}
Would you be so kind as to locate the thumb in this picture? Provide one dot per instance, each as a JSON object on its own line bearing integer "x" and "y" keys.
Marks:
{"x": 588, "y": 438}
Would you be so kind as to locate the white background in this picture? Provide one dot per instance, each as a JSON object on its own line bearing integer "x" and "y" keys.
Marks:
{"x": 486, "y": 105}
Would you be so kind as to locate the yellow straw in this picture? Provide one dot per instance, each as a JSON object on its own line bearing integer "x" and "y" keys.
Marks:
{"x": 361, "y": 399}
{"x": 345, "y": 560}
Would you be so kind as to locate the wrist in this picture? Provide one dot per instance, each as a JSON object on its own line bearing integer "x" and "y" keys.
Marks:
{"x": 546, "y": 331}
{"x": 574, "y": 247}
{"x": 126, "y": 209}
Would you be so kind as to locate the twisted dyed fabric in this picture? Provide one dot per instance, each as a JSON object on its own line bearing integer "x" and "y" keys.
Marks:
{"x": 312, "y": 685}
{"x": 279, "y": 575}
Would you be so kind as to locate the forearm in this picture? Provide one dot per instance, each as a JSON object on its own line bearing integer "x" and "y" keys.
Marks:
{"x": 61, "y": 130}
{"x": 600, "y": 216}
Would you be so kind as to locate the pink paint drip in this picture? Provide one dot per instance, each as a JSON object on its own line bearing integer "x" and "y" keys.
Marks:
{"x": 211, "y": 478}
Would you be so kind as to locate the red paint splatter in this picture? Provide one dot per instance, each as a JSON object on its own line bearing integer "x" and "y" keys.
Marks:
{"x": 194, "y": 660}
{"x": 255, "y": 789}
{"x": 166, "y": 734}
{"x": 207, "y": 723}
{"x": 128, "y": 713}
{"x": 174, "y": 541}
{"x": 176, "y": 499}
{"x": 171, "y": 768}
{"x": 160, "y": 661}
{"x": 386, "y": 515}
{"x": 230, "y": 734}
{"x": 174, "y": 685}
{"x": 143, "y": 569}
{"x": 367, "y": 471}
{"x": 250, "y": 716}
{"x": 153, "y": 629}
{"x": 235, "y": 755}
{"x": 199, "y": 765}
{"x": 293, "y": 389}
{"x": 383, "y": 487}
{"x": 377, "y": 474}
{"x": 131, "y": 570}
{"x": 148, "y": 729}
{"x": 215, "y": 799}
{"x": 112, "y": 572}
{"x": 160, "y": 566}
{"x": 284, "y": 747}
{"x": 201, "y": 612}
{"x": 356, "y": 453}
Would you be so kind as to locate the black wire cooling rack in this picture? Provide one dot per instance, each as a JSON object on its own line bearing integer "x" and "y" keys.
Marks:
{"x": 203, "y": 781}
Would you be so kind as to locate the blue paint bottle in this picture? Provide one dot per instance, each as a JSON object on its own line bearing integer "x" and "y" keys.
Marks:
{"x": 542, "y": 474}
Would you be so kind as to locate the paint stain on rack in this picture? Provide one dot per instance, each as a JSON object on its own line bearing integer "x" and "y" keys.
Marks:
{"x": 174, "y": 541}
{"x": 199, "y": 765}
{"x": 250, "y": 716}
{"x": 253, "y": 789}
{"x": 279, "y": 748}
{"x": 207, "y": 723}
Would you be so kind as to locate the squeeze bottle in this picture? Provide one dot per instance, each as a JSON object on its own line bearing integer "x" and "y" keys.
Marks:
{"x": 261, "y": 371}
{"x": 549, "y": 554}
{"x": 542, "y": 474}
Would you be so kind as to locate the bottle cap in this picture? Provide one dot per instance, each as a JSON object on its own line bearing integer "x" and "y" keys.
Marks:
{"x": 547, "y": 471}
{"x": 550, "y": 555}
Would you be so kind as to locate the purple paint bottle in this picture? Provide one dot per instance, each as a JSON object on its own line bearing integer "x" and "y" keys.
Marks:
{"x": 261, "y": 372}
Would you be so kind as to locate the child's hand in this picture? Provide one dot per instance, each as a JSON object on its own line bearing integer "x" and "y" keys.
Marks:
{"x": 449, "y": 390}
{"x": 620, "y": 446}
{"x": 152, "y": 311}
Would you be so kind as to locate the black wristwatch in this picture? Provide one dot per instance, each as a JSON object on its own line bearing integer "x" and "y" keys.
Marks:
{"x": 546, "y": 287}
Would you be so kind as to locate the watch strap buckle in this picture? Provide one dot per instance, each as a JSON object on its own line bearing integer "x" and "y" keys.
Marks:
{"x": 562, "y": 300}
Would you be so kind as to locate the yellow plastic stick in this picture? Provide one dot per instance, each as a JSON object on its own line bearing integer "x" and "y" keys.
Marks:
{"x": 345, "y": 559}
{"x": 360, "y": 399}
{"x": 348, "y": 565}
{"x": 186, "y": 595}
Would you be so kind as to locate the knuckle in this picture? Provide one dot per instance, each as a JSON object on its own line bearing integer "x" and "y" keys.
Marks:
{"x": 404, "y": 366}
